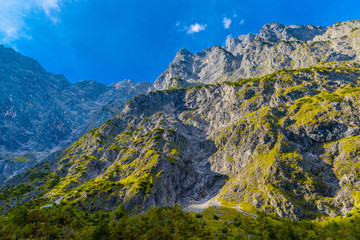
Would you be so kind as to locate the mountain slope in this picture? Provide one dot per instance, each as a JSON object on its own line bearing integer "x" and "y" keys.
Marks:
{"x": 285, "y": 143}
{"x": 276, "y": 46}
{"x": 41, "y": 112}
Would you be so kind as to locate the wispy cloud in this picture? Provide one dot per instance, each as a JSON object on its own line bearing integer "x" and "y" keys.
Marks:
{"x": 196, "y": 27}
{"x": 14, "y": 14}
{"x": 242, "y": 21}
{"x": 49, "y": 5}
{"x": 226, "y": 22}
{"x": 227, "y": 40}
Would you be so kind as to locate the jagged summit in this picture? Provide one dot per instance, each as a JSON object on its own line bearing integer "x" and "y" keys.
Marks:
{"x": 123, "y": 83}
{"x": 184, "y": 51}
{"x": 277, "y": 46}
{"x": 275, "y": 32}
{"x": 16, "y": 69}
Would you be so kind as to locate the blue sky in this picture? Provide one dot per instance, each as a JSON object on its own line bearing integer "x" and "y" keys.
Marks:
{"x": 111, "y": 40}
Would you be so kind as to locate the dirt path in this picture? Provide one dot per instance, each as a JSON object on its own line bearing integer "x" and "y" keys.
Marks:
{"x": 213, "y": 202}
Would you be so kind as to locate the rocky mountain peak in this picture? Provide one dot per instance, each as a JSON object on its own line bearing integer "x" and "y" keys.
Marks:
{"x": 122, "y": 84}
{"x": 10, "y": 56}
{"x": 275, "y": 32}
{"x": 340, "y": 30}
{"x": 184, "y": 51}
{"x": 277, "y": 46}
{"x": 16, "y": 69}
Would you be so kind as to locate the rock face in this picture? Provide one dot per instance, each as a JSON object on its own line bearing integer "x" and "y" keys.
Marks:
{"x": 285, "y": 143}
{"x": 276, "y": 47}
{"x": 40, "y": 111}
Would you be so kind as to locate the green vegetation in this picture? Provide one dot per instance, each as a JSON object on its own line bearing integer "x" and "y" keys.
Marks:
{"x": 314, "y": 109}
{"x": 293, "y": 77}
{"x": 17, "y": 191}
{"x": 65, "y": 221}
{"x": 22, "y": 158}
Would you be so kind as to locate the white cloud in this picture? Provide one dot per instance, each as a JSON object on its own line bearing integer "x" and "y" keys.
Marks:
{"x": 14, "y": 14}
{"x": 227, "y": 40}
{"x": 49, "y": 5}
{"x": 226, "y": 22}
{"x": 194, "y": 28}
{"x": 242, "y": 21}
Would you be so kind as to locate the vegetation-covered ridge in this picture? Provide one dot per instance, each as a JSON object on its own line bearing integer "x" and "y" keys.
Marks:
{"x": 285, "y": 143}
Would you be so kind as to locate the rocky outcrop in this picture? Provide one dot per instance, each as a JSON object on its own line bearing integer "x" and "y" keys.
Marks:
{"x": 276, "y": 47}
{"x": 209, "y": 66}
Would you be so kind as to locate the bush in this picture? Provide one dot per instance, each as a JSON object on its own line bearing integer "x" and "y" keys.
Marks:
{"x": 21, "y": 216}
{"x": 348, "y": 214}
{"x": 101, "y": 232}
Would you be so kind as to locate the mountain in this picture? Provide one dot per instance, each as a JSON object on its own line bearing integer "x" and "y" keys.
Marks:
{"x": 254, "y": 55}
{"x": 41, "y": 112}
{"x": 271, "y": 122}
{"x": 285, "y": 143}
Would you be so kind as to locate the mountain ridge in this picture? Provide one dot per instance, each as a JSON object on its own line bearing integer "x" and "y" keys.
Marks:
{"x": 41, "y": 112}
{"x": 275, "y": 47}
